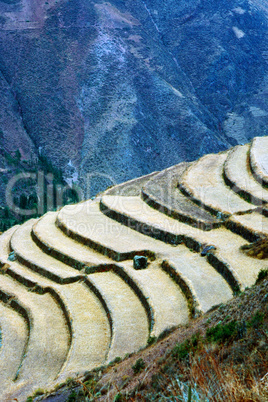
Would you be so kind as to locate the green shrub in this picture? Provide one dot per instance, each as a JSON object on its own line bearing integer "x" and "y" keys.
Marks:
{"x": 118, "y": 398}
{"x": 138, "y": 366}
{"x": 262, "y": 275}
{"x": 221, "y": 333}
{"x": 59, "y": 386}
{"x": 151, "y": 340}
{"x": 116, "y": 360}
{"x": 70, "y": 382}
{"x": 182, "y": 350}
{"x": 257, "y": 320}
{"x": 165, "y": 333}
{"x": 195, "y": 340}
{"x": 72, "y": 397}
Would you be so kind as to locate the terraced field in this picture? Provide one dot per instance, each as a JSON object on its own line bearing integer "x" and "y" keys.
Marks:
{"x": 72, "y": 297}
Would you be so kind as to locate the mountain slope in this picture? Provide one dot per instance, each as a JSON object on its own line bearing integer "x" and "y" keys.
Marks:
{"x": 119, "y": 89}
{"x": 142, "y": 258}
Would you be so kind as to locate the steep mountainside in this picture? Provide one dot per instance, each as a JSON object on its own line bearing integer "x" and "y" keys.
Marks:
{"x": 108, "y": 91}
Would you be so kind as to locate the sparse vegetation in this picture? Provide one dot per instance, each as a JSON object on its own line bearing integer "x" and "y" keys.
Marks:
{"x": 262, "y": 275}
{"x": 258, "y": 249}
{"x": 38, "y": 392}
{"x": 151, "y": 340}
{"x": 221, "y": 356}
{"x": 118, "y": 398}
{"x": 116, "y": 360}
{"x": 182, "y": 350}
{"x": 222, "y": 332}
{"x": 72, "y": 396}
{"x": 256, "y": 321}
{"x": 138, "y": 366}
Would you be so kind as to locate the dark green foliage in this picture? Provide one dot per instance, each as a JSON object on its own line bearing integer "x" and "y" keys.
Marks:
{"x": 222, "y": 332}
{"x": 138, "y": 366}
{"x": 70, "y": 197}
{"x": 25, "y": 194}
{"x": 151, "y": 340}
{"x": 70, "y": 382}
{"x": 72, "y": 397}
{"x": 262, "y": 275}
{"x": 17, "y": 155}
{"x": 257, "y": 320}
{"x": 13, "y": 159}
{"x": 23, "y": 201}
{"x": 165, "y": 333}
{"x": 182, "y": 350}
{"x": 118, "y": 397}
{"x": 90, "y": 382}
{"x": 47, "y": 167}
{"x": 195, "y": 340}
{"x": 116, "y": 360}
{"x": 6, "y": 212}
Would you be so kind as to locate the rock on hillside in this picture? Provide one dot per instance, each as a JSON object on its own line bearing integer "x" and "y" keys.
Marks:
{"x": 123, "y": 88}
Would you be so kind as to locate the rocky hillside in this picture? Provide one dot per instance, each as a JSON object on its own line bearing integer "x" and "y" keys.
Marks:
{"x": 108, "y": 91}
